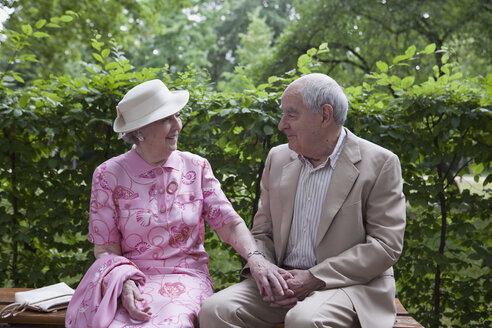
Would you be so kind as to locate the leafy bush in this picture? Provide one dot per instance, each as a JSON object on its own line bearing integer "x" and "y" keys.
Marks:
{"x": 55, "y": 132}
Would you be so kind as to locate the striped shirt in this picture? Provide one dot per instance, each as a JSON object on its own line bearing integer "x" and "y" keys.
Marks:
{"x": 310, "y": 195}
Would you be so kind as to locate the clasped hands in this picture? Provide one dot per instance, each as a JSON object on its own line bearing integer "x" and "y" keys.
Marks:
{"x": 280, "y": 287}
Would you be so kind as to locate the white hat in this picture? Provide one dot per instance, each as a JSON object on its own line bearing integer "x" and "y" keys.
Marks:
{"x": 146, "y": 103}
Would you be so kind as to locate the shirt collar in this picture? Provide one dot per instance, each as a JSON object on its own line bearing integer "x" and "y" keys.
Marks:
{"x": 138, "y": 167}
{"x": 333, "y": 158}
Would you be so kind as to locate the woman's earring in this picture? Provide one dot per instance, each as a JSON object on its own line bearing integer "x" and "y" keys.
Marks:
{"x": 140, "y": 137}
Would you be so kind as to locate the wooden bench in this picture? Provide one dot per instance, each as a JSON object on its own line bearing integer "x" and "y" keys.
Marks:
{"x": 403, "y": 319}
{"x": 33, "y": 319}
{"x": 29, "y": 319}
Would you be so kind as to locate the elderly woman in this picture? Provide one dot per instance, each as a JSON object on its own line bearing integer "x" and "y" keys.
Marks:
{"x": 147, "y": 213}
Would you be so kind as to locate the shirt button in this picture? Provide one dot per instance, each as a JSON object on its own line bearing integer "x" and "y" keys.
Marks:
{"x": 161, "y": 191}
{"x": 159, "y": 171}
{"x": 192, "y": 197}
{"x": 163, "y": 210}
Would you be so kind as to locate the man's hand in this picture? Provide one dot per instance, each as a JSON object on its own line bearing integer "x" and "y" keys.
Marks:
{"x": 301, "y": 283}
{"x": 269, "y": 278}
{"x": 131, "y": 301}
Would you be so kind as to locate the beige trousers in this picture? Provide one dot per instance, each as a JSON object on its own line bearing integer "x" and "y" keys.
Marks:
{"x": 241, "y": 306}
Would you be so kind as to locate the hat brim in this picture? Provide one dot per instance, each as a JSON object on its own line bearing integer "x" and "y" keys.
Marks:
{"x": 173, "y": 105}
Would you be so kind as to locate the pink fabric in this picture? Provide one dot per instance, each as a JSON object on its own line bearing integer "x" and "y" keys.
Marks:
{"x": 157, "y": 214}
{"x": 94, "y": 302}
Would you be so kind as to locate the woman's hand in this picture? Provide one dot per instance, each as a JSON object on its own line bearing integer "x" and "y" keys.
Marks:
{"x": 131, "y": 299}
{"x": 270, "y": 279}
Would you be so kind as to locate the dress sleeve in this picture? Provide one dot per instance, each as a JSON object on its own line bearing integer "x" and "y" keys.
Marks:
{"x": 217, "y": 210}
{"x": 103, "y": 216}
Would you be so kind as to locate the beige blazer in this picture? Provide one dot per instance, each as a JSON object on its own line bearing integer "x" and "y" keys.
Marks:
{"x": 360, "y": 234}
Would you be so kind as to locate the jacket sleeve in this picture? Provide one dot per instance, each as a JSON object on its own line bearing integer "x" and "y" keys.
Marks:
{"x": 384, "y": 222}
{"x": 262, "y": 223}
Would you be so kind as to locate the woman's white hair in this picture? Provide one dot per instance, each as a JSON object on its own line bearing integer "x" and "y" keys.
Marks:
{"x": 318, "y": 89}
{"x": 135, "y": 136}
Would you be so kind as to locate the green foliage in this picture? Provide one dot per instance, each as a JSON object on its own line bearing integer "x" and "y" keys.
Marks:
{"x": 181, "y": 39}
{"x": 231, "y": 19}
{"x": 253, "y": 51}
{"x": 72, "y": 24}
{"x": 54, "y": 131}
{"x": 361, "y": 33}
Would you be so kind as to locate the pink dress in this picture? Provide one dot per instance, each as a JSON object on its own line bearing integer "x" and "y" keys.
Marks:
{"x": 157, "y": 215}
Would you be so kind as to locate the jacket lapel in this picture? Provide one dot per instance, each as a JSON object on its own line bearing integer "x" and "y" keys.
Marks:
{"x": 288, "y": 188}
{"x": 342, "y": 180}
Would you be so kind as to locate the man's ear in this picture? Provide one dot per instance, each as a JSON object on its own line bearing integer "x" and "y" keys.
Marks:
{"x": 327, "y": 112}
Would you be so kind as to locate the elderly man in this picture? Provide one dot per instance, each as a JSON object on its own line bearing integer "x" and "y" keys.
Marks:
{"x": 331, "y": 218}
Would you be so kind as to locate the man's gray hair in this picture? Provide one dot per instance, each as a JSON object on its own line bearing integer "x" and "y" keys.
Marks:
{"x": 318, "y": 89}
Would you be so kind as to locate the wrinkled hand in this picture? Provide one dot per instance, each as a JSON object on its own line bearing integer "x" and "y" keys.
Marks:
{"x": 131, "y": 300}
{"x": 269, "y": 278}
{"x": 301, "y": 283}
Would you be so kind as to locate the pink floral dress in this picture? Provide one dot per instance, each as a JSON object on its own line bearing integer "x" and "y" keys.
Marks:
{"x": 157, "y": 215}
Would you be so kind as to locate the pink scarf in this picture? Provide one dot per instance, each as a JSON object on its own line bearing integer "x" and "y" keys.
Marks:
{"x": 95, "y": 300}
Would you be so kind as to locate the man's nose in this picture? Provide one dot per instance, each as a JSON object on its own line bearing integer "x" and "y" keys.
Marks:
{"x": 281, "y": 124}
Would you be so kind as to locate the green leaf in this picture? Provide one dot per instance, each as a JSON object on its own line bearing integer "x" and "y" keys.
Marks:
{"x": 382, "y": 66}
{"x": 445, "y": 58}
{"x": 23, "y": 101}
{"x": 395, "y": 80}
{"x": 40, "y": 23}
{"x": 112, "y": 65}
{"x": 477, "y": 168}
{"x": 429, "y": 49}
{"x": 66, "y": 18}
{"x": 105, "y": 53}
{"x": 268, "y": 130}
{"x": 456, "y": 76}
{"x": 106, "y": 121}
{"x": 445, "y": 69}
{"x": 262, "y": 94}
{"x": 400, "y": 58}
{"x": 17, "y": 77}
{"x": 311, "y": 52}
{"x": 27, "y": 29}
{"x": 323, "y": 46}
{"x": 410, "y": 51}
{"x": 53, "y": 25}
{"x": 98, "y": 57}
{"x": 78, "y": 83}
{"x": 272, "y": 79}
{"x": 303, "y": 60}
{"x": 40, "y": 35}
{"x": 435, "y": 68}
{"x": 407, "y": 82}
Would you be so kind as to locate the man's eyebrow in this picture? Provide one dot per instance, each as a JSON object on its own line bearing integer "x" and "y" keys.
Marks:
{"x": 290, "y": 110}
